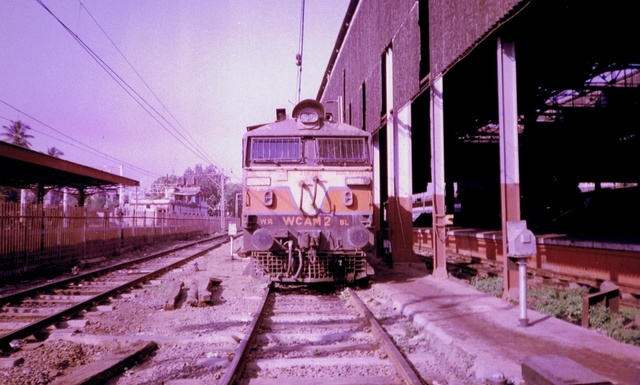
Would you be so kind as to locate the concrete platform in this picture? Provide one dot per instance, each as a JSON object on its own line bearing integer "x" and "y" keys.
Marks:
{"x": 487, "y": 328}
{"x": 552, "y": 369}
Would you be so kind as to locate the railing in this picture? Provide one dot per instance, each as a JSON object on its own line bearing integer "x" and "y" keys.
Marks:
{"x": 38, "y": 238}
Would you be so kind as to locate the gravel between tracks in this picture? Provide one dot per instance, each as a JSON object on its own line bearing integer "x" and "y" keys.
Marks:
{"x": 194, "y": 342}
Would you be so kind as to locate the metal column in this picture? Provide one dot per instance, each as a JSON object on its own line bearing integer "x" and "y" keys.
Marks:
{"x": 404, "y": 185}
{"x": 399, "y": 173}
{"x": 509, "y": 172}
{"x": 437, "y": 179}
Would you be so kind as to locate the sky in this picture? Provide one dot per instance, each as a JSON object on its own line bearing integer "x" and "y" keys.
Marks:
{"x": 157, "y": 86}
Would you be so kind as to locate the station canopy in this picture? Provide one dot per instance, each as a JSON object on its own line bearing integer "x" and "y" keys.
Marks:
{"x": 24, "y": 168}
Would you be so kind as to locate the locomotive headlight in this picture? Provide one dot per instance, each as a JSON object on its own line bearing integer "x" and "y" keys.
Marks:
{"x": 268, "y": 198}
{"x": 309, "y": 117}
{"x": 262, "y": 239}
{"x": 348, "y": 198}
{"x": 358, "y": 236}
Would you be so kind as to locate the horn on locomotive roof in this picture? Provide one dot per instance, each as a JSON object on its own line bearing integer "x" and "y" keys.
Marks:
{"x": 281, "y": 114}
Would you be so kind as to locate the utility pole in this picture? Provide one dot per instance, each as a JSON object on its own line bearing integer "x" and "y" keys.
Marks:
{"x": 222, "y": 205}
{"x": 237, "y": 196}
{"x": 121, "y": 192}
{"x": 299, "y": 54}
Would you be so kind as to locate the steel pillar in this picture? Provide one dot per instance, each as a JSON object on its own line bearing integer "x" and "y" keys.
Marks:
{"x": 398, "y": 174}
{"x": 437, "y": 179}
{"x": 377, "y": 199}
{"x": 509, "y": 171}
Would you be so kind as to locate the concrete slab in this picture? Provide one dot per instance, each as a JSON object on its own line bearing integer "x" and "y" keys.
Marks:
{"x": 484, "y": 329}
{"x": 553, "y": 369}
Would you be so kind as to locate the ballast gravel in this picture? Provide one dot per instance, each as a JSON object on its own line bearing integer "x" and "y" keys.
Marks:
{"x": 194, "y": 343}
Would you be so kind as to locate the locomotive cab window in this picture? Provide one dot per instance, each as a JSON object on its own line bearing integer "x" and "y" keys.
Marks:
{"x": 275, "y": 150}
{"x": 342, "y": 150}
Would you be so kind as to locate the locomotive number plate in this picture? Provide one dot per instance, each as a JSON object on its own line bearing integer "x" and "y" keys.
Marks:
{"x": 321, "y": 221}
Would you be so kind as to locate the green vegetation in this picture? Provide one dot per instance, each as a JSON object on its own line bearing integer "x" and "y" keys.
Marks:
{"x": 566, "y": 304}
{"x": 620, "y": 326}
{"x": 208, "y": 178}
{"x": 490, "y": 285}
{"x": 17, "y": 133}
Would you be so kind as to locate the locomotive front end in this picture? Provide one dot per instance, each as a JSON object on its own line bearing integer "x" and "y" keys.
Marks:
{"x": 308, "y": 202}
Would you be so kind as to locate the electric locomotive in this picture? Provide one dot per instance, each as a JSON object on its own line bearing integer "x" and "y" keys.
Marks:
{"x": 308, "y": 199}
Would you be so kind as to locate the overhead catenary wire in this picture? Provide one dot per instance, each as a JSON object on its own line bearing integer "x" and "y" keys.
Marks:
{"x": 86, "y": 148}
{"x": 195, "y": 143}
{"x": 126, "y": 87}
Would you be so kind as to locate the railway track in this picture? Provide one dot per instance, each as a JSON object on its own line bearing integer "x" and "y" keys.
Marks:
{"x": 247, "y": 334}
{"x": 316, "y": 339}
{"x": 32, "y": 311}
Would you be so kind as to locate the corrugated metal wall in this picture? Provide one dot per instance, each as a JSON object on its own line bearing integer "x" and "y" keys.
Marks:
{"x": 376, "y": 25}
{"x": 455, "y": 26}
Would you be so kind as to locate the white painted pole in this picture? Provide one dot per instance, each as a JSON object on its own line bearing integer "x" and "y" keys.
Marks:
{"x": 522, "y": 280}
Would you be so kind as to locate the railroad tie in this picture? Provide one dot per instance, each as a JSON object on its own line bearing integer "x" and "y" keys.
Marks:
{"x": 192, "y": 294}
{"x": 174, "y": 297}
{"x": 206, "y": 287}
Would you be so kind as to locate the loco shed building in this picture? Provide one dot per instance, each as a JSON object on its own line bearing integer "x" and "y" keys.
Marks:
{"x": 526, "y": 106}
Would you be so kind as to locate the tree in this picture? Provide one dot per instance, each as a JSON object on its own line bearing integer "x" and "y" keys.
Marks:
{"x": 54, "y": 152}
{"x": 158, "y": 186}
{"x": 16, "y": 133}
{"x": 230, "y": 191}
{"x": 207, "y": 178}
{"x": 9, "y": 194}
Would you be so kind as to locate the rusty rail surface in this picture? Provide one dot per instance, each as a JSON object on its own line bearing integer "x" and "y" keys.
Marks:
{"x": 239, "y": 359}
{"x": 403, "y": 367}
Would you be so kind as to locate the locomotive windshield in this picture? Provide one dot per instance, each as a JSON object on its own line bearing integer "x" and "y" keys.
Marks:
{"x": 276, "y": 150}
{"x": 309, "y": 150}
{"x": 341, "y": 150}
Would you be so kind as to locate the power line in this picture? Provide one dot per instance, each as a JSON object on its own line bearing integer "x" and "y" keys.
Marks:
{"x": 122, "y": 83}
{"x": 93, "y": 151}
{"x": 199, "y": 148}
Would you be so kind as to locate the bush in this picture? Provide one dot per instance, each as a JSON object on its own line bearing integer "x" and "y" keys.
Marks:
{"x": 619, "y": 326}
{"x": 565, "y": 304}
{"x": 490, "y": 285}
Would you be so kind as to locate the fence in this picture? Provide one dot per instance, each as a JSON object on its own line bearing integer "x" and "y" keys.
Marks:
{"x": 37, "y": 238}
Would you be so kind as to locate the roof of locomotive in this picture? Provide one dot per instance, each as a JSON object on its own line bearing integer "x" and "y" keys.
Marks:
{"x": 302, "y": 123}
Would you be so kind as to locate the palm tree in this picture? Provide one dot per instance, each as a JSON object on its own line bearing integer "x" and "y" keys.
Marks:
{"x": 54, "y": 152}
{"x": 17, "y": 134}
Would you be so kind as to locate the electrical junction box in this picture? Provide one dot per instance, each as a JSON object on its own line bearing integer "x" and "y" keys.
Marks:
{"x": 520, "y": 241}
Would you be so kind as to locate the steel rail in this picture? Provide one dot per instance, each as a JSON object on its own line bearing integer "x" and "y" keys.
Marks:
{"x": 403, "y": 367}
{"x": 89, "y": 274}
{"x": 59, "y": 316}
{"x": 237, "y": 364}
